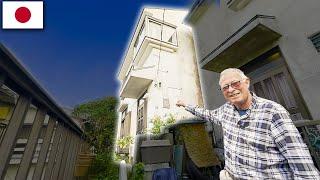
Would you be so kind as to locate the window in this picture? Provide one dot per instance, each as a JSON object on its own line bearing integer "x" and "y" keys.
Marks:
{"x": 8, "y": 100}
{"x": 169, "y": 34}
{"x": 123, "y": 118}
{"x": 124, "y": 114}
{"x": 18, "y": 151}
{"x": 315, "y": 39}
{"x": 140, "y": 119}
{"x": 156, "y": 30}
{"x": 162, "y": 32}
{"x": 139, "y": 39}
{"x": 122, "y": 129}
{"x": 141, "y": 116}
{"x": 31, "y": 114}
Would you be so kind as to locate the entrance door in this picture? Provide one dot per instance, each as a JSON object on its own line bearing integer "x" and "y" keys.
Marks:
{"x": 271, "y": 79}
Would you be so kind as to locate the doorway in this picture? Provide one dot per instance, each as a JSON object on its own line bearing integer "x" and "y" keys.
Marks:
{"x": 270, "y": 79}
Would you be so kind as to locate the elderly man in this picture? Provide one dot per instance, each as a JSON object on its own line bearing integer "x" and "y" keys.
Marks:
{"x": 260, "y": 140}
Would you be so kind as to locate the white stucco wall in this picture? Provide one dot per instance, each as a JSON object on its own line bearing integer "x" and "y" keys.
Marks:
{"x": 176, "y": 70}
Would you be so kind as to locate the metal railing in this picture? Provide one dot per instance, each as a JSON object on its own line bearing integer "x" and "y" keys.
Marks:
{"x": 310, "y": 132}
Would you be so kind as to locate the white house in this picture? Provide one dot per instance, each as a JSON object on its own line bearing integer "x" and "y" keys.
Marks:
{"x": 158, "y": 68}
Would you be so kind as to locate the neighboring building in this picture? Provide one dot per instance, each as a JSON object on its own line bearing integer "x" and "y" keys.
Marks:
{"x": 276, "y": 43}
{"x": 38, "y": 140}
{"x": 158, "y": 68}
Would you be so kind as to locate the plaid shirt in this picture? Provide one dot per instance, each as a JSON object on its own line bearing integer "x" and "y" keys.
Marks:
{"x": 263, "y": 143}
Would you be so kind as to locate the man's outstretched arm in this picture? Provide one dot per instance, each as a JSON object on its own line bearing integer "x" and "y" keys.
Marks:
{"x": 208, "y": 115}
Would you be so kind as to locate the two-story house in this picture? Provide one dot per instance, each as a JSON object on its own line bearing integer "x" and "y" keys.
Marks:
{"x": 158, "y": 68}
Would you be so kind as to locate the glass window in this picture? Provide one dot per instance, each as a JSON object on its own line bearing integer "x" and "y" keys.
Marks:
{"x": 169, "y": 34}
{"x": 155, "y": 30}
{"x": 139, "y": 39}
{"x": 162, "y": 32}
{"x": 31, "y": 114}
{"x": 140, "y": 116}
{"x": 8, "y": 100}
{"x": 124, "y": 114}
{"x": 46, "y": 120}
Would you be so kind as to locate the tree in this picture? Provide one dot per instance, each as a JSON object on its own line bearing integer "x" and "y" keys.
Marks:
{"x": 100, "y": 130}
{"x": 101, "y": 120}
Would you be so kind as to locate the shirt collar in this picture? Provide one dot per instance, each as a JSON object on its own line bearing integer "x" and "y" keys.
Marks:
{"x": 253, "y": 103}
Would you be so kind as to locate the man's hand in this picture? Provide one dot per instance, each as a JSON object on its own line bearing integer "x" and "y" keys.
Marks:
{"x": 180, "y": 103}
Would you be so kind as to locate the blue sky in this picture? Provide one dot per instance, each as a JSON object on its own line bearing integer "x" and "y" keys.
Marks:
{"x": 77, "y": 54}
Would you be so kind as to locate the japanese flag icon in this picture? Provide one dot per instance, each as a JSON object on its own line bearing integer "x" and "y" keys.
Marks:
{"x": 22, "y": 14}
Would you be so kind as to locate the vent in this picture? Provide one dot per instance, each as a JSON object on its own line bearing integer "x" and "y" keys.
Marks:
{"x": 315, "y": 39}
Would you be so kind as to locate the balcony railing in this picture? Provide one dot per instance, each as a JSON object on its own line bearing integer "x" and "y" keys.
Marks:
{"x": 310, "y": 132}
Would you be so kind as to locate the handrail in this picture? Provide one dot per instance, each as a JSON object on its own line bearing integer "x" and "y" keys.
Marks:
{"x": 300, "y": 123}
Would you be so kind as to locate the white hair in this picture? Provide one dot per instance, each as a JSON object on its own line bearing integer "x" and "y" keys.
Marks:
{"x": 232, "y": 70}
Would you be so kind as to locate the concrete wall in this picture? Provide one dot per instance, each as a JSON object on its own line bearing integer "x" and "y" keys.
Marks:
{"x": 296, "y": 21}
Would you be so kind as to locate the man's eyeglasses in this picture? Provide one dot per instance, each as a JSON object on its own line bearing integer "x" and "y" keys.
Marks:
{"x": 235, "y": 85}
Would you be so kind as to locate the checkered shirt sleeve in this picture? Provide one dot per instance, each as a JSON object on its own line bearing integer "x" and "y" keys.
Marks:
{"x": 214, "y": 116}
{"x": 290, "y": 144}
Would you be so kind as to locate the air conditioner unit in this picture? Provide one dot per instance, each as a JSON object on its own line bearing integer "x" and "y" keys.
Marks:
{"x": 237, "y": 5}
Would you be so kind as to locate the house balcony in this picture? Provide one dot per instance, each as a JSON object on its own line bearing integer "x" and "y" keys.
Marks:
{"x": 256, "y": 36}
{"x": 150, "y": 43}
{"x": 137, "y": 81}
